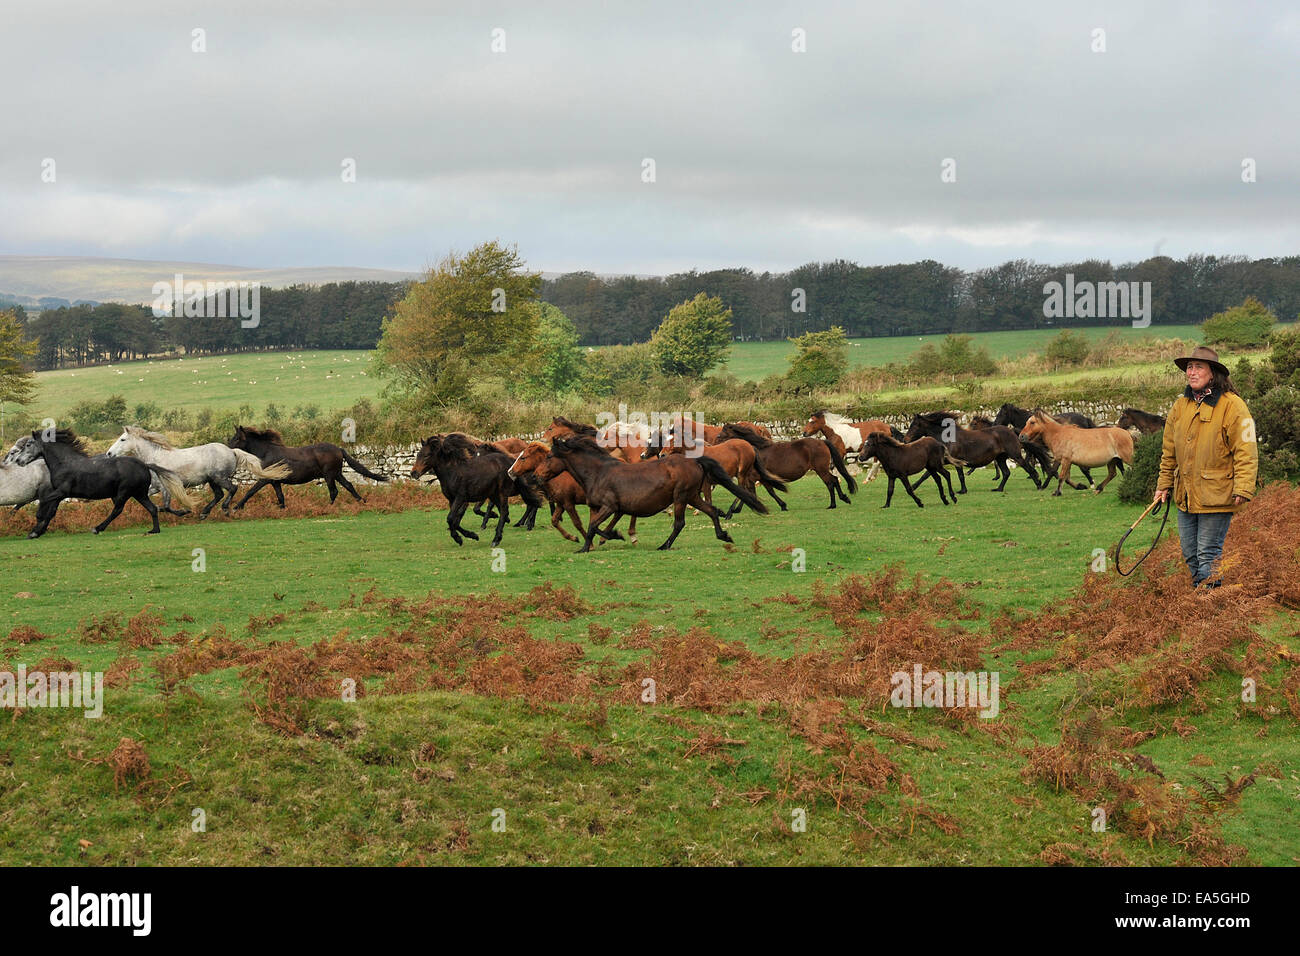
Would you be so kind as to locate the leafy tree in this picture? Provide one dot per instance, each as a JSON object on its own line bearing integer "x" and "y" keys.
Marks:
{"x": 17, "y": 383}
{"x": 1242, "y": 326}
{"x": 694, "y": 337}
{"x": 821, "y": 360}
{"x": 954, "y": 356}
{"x": 557, "y": 365}
{"x": 471, "y": 317}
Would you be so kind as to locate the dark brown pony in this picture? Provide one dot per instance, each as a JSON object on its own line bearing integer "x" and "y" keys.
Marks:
{"x": 791, "y": 460}
{"x": 739, "y": 459}
{"x": 976, "y": 447}
{"x": 644, "y": 488}
{"x": 899, "y": 460}
{"x": 466, "y": 474}
{"x": 305, "y": 463}
{"x": 1144, "y": 422}
{"x": 561, "y": 489}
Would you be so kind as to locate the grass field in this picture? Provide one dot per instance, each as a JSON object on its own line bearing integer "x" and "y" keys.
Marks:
{"x": 536, "y": 721}
{"x": 754, "y": 360}
{"x": 338, "y": 379}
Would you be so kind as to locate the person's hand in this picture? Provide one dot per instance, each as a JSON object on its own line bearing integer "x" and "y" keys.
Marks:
{"x": 1161, "y": 495}
{"x": 1238, "y": 500}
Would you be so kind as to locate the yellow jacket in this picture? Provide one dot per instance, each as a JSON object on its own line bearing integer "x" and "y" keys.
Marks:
{"x": 1210, "y": 453}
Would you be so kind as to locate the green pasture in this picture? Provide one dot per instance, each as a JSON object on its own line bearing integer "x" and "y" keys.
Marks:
{"x": 416, "y": 778}
{"x": 754, "y": 360}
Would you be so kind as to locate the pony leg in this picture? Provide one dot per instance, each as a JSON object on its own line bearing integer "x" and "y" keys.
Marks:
{"x": 830, "y": 481}
{"x": 596, "y": 519}
{"x": 773, "y": 496}
{"x": 608, "y": 533}
{"x": 279, "y": 492}
{"x": 679, "y": 522}
{"x": 1063, "y": 470}
{"x": 229, "y": 485}
{"x": 935, "y": 475}
{"x": 217, "y": 491}
{"x": 911, "y": 491}
{"x": 1109, "y": 475}
{"x": 712, "y": 512}
{"x": 347, "y": 485}
{"x": 45, "y": 512}
{"x": 504, "y": 501}
{"x": 334, "y": 491}
{"x": 1004, "y": 471}
{"x": 948, "y": 478}
{"x": 961, "y": 476}
{"x": 889, "y": 495}
{"x": 118, "y": 504}
{"x": 557, "y": 521}
{"x": 153, "y": 511}
{"x": 257, "y": 486}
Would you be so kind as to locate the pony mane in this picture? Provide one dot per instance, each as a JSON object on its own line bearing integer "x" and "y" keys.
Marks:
{"x": 885, "y": 439}
{"x": 587, "y": 431}
{"x": 265, "y": 434}
{"x": 580, "y": 443}
{"x": 66, "y": 436}
{"x": 747, "y": 433}
{"x": 135, "y": 431}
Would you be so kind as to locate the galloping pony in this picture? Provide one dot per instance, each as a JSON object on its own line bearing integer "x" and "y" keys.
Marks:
{"x": 791, "y": 460}
{"x": 213, "y": 464}
{"x": 74, "y": 474}
{"x": 1013, "y": 416}
{"x": 901, "y": 459}
{"x": 466, "y": 475}
{"x": 644, "y": 488}
{"x": 305, "y": 463}
{"x": 975, "y": 446}
{"x": 561, "y": 489}
{"x": 1086, "y": 446}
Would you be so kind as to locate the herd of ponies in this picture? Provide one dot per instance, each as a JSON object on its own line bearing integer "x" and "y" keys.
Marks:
{"x": 623, "y": 469}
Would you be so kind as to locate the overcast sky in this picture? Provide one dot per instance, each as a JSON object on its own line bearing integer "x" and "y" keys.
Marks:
{"x": 764, "y": 157}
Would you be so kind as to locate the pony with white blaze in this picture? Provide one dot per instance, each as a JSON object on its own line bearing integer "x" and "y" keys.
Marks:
{"x": 213, "y": 464}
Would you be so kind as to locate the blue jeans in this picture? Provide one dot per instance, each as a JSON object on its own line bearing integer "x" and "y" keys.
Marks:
{"x": 1202, "y": 539}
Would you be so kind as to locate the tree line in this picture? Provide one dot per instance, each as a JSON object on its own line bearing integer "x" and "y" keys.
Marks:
{"x": 913, "y": 299}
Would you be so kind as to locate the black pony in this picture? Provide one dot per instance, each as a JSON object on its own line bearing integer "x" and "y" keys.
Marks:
{"x": 74, "y": 474}
{"x": 305, "y": 464}
{"x": 466, "y": 475}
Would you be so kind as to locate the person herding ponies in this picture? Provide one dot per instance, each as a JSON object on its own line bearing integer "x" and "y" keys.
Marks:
{"x": 1209, "y": 461}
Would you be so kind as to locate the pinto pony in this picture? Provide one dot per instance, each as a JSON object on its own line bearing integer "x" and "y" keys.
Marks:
{"x": 1085, "y": 446}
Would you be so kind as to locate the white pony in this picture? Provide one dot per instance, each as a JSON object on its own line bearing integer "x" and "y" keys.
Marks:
{"x": 213, "y": 464}
{"x": 20, "y": 484}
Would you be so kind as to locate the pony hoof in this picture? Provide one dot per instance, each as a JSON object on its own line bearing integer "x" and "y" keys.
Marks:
{"x": 95, "y": 530}
{"x": 152, "y": 531}
{"x": 32, "y": 534}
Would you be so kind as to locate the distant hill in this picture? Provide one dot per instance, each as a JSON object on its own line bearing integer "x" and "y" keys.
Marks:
{"x": 50, "y": 281}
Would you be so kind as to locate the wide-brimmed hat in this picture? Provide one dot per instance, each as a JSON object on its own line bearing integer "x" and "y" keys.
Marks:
{"x": 1204, "y": 354}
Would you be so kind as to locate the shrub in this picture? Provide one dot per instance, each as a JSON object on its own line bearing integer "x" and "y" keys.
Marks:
{"x": 1243, "y": 326}
{"x": 1068, "y": 348}
{"x": 1139, "y": 484}
{"x": 954, "y": 356}
{"x": 93, "y": 418}
{"x": 147, "y": 415}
